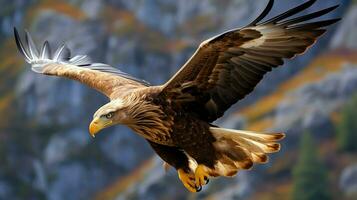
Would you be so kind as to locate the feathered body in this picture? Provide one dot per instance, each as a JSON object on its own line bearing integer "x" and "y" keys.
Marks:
{"x": 176, "y": 117}
{"x": 166, "y": 122}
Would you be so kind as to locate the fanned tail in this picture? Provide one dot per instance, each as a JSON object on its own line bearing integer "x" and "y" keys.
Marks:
{"x": 238, "y": 149}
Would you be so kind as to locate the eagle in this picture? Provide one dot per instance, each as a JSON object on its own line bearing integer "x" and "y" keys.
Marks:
{"x": 176, "y": 118}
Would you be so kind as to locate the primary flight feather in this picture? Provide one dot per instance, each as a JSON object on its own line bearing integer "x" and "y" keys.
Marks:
{"x": 175, "y": 118}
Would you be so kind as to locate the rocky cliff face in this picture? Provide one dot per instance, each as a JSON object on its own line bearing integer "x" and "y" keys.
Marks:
{"x": 49, "y": 153}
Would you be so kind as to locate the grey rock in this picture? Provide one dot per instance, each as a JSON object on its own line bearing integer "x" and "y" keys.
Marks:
{"x": 238, "y": 188}
{"x": 312, "y": 104}
{"x": 346, "y": 35}
{"x": 348, "y": 180}
{"x": 5, "y": 190}
{"x": 75, "y": 181}
{"x": 125, "y": 151}
{"x": 40, "y": 181}
{"x": 62, "y": 145}
{"x": 92, "y": 8}
{"x": 142, "y": 189}
{"x": 170, "y": 14}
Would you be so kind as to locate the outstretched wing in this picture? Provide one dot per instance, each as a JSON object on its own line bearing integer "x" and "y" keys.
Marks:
{"x": 102, "y": 77}
{"x": 227, "y": 67}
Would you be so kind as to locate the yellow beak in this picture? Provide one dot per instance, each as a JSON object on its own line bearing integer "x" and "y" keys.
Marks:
{"x": 96, "y": 125}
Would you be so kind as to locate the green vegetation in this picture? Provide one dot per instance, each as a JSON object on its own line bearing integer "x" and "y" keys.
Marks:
{"x": 347, "y": 127}
{"x": 309, "y": 175}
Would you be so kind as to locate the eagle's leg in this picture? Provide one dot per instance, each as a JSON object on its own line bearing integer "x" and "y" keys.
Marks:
{"x": 176, "y": 158}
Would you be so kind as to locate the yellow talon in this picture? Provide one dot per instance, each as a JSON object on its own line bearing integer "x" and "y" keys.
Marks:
{"x": 187, "y": 179}
{"x": 201, "y": 176}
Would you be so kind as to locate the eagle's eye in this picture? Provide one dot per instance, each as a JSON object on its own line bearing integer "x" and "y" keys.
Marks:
{"x": 109, "y": 115}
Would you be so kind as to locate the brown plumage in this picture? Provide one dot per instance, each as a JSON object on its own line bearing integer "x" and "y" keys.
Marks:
{"x": 175, "y": 118}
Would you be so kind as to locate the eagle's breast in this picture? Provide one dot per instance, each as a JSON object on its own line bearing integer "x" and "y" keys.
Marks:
{"x": 150, "y": 118}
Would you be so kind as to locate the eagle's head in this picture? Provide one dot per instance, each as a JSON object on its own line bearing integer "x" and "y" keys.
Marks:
{"x": 108, "y": 115}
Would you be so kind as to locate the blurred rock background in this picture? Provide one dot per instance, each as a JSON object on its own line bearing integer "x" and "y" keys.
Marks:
{"x": 47, "y": 153}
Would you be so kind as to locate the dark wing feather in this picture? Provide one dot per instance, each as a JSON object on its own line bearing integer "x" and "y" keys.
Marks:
{"x": 102, "y": 77}
{"x": 290, "y": 12}
{"x": 226, "y": 68}
{"x": 263, "y": 14}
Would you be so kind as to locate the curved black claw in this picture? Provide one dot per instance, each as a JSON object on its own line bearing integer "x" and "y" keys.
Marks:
{"x": 199, "y": 188}
{"x": 207, "y": 180}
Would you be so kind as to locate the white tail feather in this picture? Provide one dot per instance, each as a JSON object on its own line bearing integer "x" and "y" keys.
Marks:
{"x": 238, "y": 149}
{"x": 259, "y": 137}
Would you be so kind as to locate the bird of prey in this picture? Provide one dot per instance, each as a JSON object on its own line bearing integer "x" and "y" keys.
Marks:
{"x": 176, "y": 117}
